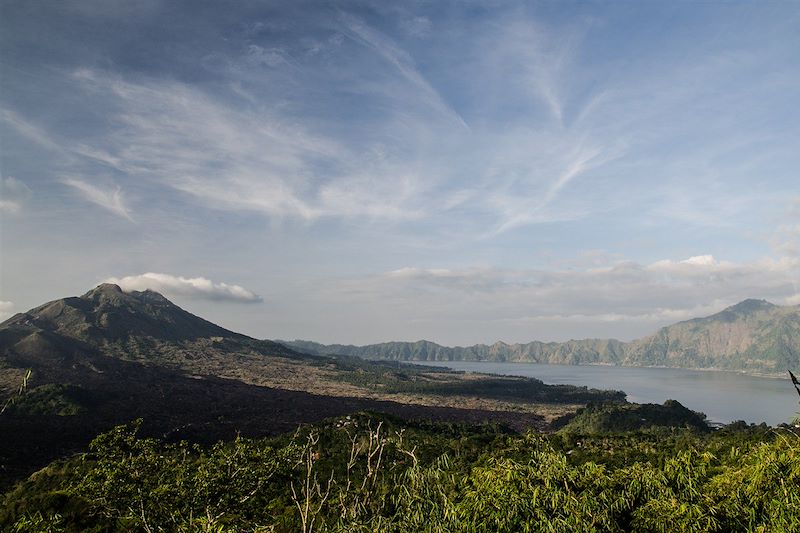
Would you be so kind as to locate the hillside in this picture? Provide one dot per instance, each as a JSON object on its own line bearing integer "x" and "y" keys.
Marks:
{"x": 136, "y": 326}
{"x": 752, "y": 336}
{"x": 604, "y": 471}
{"x": 110, "y": 356}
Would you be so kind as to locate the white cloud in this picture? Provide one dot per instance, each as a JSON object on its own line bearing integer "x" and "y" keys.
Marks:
{"x": 111, "y": 200}
{"x": 694, "y": 264}
{"x": 404, "y": 63}
{"x": 406, "y": 153}
{"x": 792, "y": 300}
{"x": 29, "y": 130}
{"x": 190, "y": 287}
{"x": 6, "y": 309}
{"x": 543, "y": 127}
{"x": 244, "y": 159}
{"x": 700, "y": 260}
{"x": 527, "y": 208}
{"x": 13, "y": 194}
{"x": 631, "y": 295}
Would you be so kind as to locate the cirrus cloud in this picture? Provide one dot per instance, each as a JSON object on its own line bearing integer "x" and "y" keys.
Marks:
{"x": 13, "y": 194}
{"x": 111, "y": 200}
{"x": 199, "y": 287}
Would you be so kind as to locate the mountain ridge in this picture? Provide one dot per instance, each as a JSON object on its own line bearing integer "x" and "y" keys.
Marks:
{"x": 135, "y": 325}
{"x": 107, "y": 305}
{"x": 752, "y": 336}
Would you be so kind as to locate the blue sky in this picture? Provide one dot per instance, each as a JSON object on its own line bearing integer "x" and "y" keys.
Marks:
{"x": 363, "y": 171}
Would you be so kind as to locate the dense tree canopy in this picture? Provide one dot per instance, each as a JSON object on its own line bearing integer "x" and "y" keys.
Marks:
{"x": 372, "y": 473}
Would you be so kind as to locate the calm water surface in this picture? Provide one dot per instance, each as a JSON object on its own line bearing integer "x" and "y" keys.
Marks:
{"x": 722, "y": 396}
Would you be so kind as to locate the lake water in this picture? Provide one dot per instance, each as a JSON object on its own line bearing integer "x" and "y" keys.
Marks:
{"x": 722, "y": 396}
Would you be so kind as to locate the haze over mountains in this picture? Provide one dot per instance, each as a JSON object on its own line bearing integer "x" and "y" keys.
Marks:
{"x": 752, "y": 336}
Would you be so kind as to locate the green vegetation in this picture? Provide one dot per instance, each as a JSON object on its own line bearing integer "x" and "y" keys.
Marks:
{"x": 373, "y": 473}
{"x": 51, "y": 399}
{"x": 613, "y": 418}
{"x": 18, "y": 395}
{"x": 392, "y": 377}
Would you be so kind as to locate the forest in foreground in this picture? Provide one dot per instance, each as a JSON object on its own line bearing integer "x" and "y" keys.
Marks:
{"x": 373, "y": 472}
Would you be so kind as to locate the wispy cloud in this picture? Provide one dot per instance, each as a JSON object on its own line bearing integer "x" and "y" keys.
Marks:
{"x": 189, "y": 287}
{"x": 406, "y": 153}
{"x": 402, "y": 61}
{"x": 111, "y": 200}
{"x": 544, "y": 62}
{"x": 13, "y": 194}
{"x": 29, "y": 130}
{"x": 525, "y": 209}
{"x": 243, "y": 159}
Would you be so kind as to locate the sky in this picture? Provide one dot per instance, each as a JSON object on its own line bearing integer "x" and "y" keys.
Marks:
{"x": 358, "y": 172}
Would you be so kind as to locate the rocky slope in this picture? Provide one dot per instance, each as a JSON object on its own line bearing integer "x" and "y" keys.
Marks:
{"x": 131, "y": 326}
{"x": 752, "y": 336}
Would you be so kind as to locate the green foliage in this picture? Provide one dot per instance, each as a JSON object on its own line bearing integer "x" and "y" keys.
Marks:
{"x": 373, "y": 473}
{"x": 142, "y": 483}
{"x": 612, "y": 418}
{"x": 393, "y": 377}
{"x": 763, "y": 492}
{"x": 20, "y": 393}
{"x": 39, "y": 523}
{"x": 52, "y": 399}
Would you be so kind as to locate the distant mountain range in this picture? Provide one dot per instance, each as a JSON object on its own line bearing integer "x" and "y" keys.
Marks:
{"x": 752, "y": 336}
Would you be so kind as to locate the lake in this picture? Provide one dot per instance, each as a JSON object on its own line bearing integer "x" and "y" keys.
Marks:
{"x": 723, "y": 396}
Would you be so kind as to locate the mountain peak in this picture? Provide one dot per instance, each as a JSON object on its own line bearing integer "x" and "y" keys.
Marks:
{"x": 735, "y": 312}
{"x": 104, "y": 289}
{"x": 751, "y": 305}
{"x": 112, "y": 293}
{"x": 109, "y": 314}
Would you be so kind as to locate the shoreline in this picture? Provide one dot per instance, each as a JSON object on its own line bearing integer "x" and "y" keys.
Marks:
{"x": 612, "y": 365}
{"x": 724, "y": 396}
